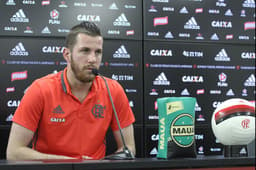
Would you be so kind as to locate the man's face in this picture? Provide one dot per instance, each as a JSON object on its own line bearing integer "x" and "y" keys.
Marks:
{"x": 85, "y": 56}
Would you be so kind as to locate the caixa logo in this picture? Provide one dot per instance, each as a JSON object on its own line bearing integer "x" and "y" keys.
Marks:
{"x": 13, "y": 103}
{"x": 215, "y": 104}
{"x": 52, "y": 49}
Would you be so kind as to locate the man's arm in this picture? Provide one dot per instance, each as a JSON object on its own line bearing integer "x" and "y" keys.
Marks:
{"x": 17, "y": 148}
{"x": 128, "y": 134}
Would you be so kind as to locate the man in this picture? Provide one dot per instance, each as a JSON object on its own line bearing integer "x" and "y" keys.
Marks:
{"x": 66, "y": 115}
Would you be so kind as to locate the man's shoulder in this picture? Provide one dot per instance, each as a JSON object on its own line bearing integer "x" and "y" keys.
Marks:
{"x": 48, "y": 79}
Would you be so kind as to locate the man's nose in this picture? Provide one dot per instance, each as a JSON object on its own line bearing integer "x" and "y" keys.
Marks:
{"x": 91, "y": 57}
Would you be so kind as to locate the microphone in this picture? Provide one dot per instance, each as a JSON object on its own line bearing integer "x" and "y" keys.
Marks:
{"x": 126, "y": 154}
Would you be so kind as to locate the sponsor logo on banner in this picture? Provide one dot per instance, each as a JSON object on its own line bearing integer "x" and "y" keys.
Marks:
{"x": 185, "y": 92}
{"x": 161, "y": 80}
{"x": 79, "y": 4}
{"x": 229, "y": 37}
{"x": 163, "y": 52}
{"x": 192, "y": 79}
{"x": 10, "y": 89}
{"x": 222, "y": 83}
{"x": 130, "y": 32}
{"x": 161, "y": 1}
{"x": 10, "y": 2}
{"x": 19, "y": 75}
{"x": 161, "y": 21}
{"x": 152, "y": 9}
{"x": 168, "y": 35}
{"x": 214, "y": 11}
{"x": 19, "y": 16}
{"x": 199, "y": 91}
{"x": 28, "y": 30}
{"x": 29, "y": 2}
{"x": 131, "y": 90}
{"x": 249, "y": 4}
{"x": 153, "y": 92}
{"x": 54, "y": 14}
{"x": 250, "y": 81}
{"x": 169, "y": 9}
{"x": 228, "y": 13}
{"x": 191, "y": 24}
{"x": 63, "y": 4}
{"x": 221, "y": 24}
{"x": 249, "y": 25}
{"x": 243, "y": 37}
{"x": 9, "y": 118}
{"x": 169, "y": 91}
{"x": 92, "y": 18}
{"x": 96, "y": 5}
{"x": 130, "y": 6}
{"x": 230, "y": 92}
{"x": 222, "y": 56}
{"x": 122, "y": 21}
{"x": 215, "y": 91}
{"x": 248, "y": 55}
{"x": 199, "y": 10}
{"x": 19, "y": 50}
{"x": 121, "y": 53}
{"x": 221, "y": 3}
{"x": 13, "y": 103}
{"x": 122, "y": 77}
{"x": 193, "y": 53}
{"x": 45, "y": 2}
{"x": 46, "y": 30}
{"x": 153, "y": 34}
{"x": 10, "y": 28}
{"x": 52, "y": 49}
{"x": 183, "y": 10}
{"x": 113, "y": 6}
{"x": 113, "y": 32}
{"x": 214, "y": 37}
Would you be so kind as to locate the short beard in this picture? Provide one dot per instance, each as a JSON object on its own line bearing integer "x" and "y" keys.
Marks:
{"x": 80, "y": 74}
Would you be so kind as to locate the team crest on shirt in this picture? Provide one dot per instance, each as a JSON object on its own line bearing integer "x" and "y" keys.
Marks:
{"x": 98, "y": 111}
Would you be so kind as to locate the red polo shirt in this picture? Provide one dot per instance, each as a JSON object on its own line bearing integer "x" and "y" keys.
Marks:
{"x": 65, "y": 126}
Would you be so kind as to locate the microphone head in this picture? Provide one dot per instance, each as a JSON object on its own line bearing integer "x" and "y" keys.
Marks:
{"x": 95, "y": 71}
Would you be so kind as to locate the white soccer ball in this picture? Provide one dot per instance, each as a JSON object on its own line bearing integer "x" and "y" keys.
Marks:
{"x": 233, "y": 122}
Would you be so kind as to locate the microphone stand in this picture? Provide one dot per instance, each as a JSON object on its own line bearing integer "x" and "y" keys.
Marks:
{"x": 126, "y": 154}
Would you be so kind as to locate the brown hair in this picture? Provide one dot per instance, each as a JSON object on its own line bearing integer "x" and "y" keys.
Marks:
{"x": 88, "y": 28}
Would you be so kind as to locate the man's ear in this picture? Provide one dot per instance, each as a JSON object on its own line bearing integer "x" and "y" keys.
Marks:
{"x": 66, "y": 54}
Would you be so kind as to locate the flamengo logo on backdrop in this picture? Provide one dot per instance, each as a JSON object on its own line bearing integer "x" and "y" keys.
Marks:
{"x": 161, "y": 80}
{"x": 19, "y": 16}
{"x": 161, "y": 21}
{"x": 156, "y": 52}
{"x": 52, "y": 49}
{"x": 222, "y": 56}
{"x": 249, "y": 25}
{"x": 121, "y": 53}
{"x": 19, "y": 50}
{"x": 19, "y": 75}
{"x": 122, "y": 21}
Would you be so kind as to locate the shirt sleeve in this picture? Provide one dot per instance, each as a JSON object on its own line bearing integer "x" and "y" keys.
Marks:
{"x": 30, "y": 109}
{"x": 123, "y": 109}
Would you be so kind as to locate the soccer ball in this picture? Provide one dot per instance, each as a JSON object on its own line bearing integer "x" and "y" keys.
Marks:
{"x": 233, "y": 122}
